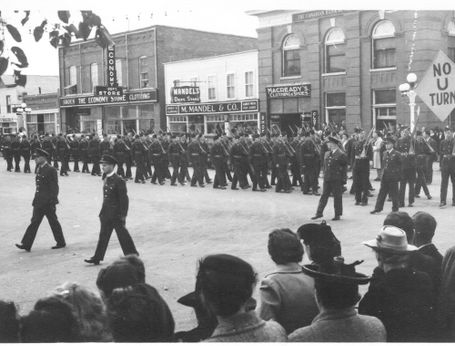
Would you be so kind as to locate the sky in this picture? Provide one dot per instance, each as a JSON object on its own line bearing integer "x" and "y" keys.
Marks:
{"x": 217, "y": 16}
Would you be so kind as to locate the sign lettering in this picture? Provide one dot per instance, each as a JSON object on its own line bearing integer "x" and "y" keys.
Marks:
{"x": 185, "y": 94}
{"x": 314, "y": 14}
{"x": 437, "y": 88}
{"x": 127, "y": 97}
{"x": 111, "y": 72}
{"x": 204, "y": 108}
{"x": 286, "y": 91}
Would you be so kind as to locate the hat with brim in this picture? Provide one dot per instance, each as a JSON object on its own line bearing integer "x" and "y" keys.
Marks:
{"x": 190, "y": 300}
{"x": 391, "y": 239}
{"x": 108, "y": 159}
{"x": 41, "y": 153}
{"x": 337, "y": 273}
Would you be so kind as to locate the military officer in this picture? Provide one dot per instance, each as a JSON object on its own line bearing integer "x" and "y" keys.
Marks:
{"x": 361, "y": 169}
{"x": 46, "y": 198}
{"x": 113, "y": 213}
{"x": 447, "y": 154}
{"x": 335, "y": 163}
{"x": 405, "y": 145}
{"x": 390, "y": 177}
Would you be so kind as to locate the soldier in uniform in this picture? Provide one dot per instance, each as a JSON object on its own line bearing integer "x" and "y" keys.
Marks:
{"x": 308, "y": 158}
{"x": 120, "y": 153}
{"x": 431, "y": 156}
{"x": 205, "y": 159}
{"x": 217, "y": 155}
{"x": 7, "y": 153}
{"x": 184, "y": 174}
{"x": 105, "y": 146}
{"x": 35, "y": 144}
{"x": 157, "y": 151}
{"x": 295, "y": 167}
{"x": 74, "y": 148}
{"x": 237, "y": 153}
{"x": 128, "y": 140}
{"x": 361, "y": 169}
{"x": 258, "y": 157}
{"x": 139, "y": 154}
{"x": 94, "y": 154}
{"x": 83, "y": 151}
{"x": 447, "y": 154}
{"x": 281, "y": 156}
{"x": 113, "y": 213}
{"x": 46, "y": 198}
{"x": 48, "y": 147}
{"x": 174, "y": 152}
{"x": 421, "y": 150}
{"x": 25, "y": 153}
{"x": 405, "y": 145}
{"x": 391, "y": 176}
{"x": 335, "y": 163}
{"x": 195, "y": 152}
{"x": 165, "y": 142}
{"x": 16, "y": 150}
{"x": 225, "y": 142}
{"x": 62, "y": 152}
{"x": 54, "y": 153}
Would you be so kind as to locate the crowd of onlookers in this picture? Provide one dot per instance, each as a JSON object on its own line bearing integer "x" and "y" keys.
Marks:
{"x": 410, "y": 297}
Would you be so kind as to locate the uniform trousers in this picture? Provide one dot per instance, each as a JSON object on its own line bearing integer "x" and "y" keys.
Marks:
{"x": 220, "y": 176}
{"x": 17, "y": 160}
{"x": 283, "y": 181}
{"x": 310, "y": 177}
{"x": 175, "y": 170}
{"x": 334, "y": 187}
{"x": 447, "y": 170}
{"x": 360, "y": 179}
{"x": 387, "y": 188}
{"x": 37, "y": 217}
{"x": 198, "y": 173}
{"x": 26, "y": 157}
{"x": 124, "y": 238}
{"x": 408, "y": 177}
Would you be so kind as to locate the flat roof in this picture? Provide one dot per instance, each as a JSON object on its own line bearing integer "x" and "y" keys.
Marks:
{"x": 210, "y": 57}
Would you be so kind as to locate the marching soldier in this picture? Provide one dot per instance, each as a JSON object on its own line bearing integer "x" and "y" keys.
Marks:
{"x": 54, "y": 152}
{"x": 113, "y": 213}
{"x": 237, "y": 154}
{"x": 405, "y": 145}
{"x": 83, "y": 150}
{"x": 361, "y": 169}
{"x": 7, "y": 153}
{"x": 195, "y": 153}
{"x": 139, "y": 154}
{"x": 105, "y": 146}
{"x": 295, "y": 167}
{"x": 35, "y": 143}
{"x": 74, "y": 149}
{"x": 183, "y": 161}
{"x": 157, "y": 151}
{"x": 174, "y": 152}
{"x": 120, "y": 152}
{"x": 421, "y": 150}
{"x": 205, "y": 159}
{"x": 46, "y": 198}
{"x": 128, "y": 140}
{"x": 16, "y": 150}
{"x": 218, "y": 154}
{"x": 335, "y": 163}
{"x": 390, "y": 177}
{"x": 94, "y": 154}
{"x": 431, "y": 156}
{"x": 165, "y": 142}
{"x": 48, "y": 147}
{"x": 447, "y": 154}
{"x": 258, "y": 158}
{"x": 25, "y": 152}
{"x": 62, "y": 152}
{"x": 308, "y": 158}
{"x": 225, "y": 141}
{"x": 281, "y": 156}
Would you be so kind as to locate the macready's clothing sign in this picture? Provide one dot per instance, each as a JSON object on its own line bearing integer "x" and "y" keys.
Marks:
{"x": 285, "y": 91}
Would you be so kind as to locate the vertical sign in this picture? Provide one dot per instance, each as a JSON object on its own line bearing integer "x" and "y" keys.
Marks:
{"x": 262, "y": 121}
{"x": 111, "y": 72}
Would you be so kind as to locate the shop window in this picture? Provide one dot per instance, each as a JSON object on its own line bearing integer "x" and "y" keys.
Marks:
{"x": 118, "y": 71}
{"x": 143, "y": 72}
{"x": 384, "y": 106}
{"x": 335, "y": 108}
{"x": 212, "y": 87}
{"x": 230, "y": 83}
{"x": 8, "y": 104}
{"x": 291, "y": 56}
{"x": 249, "y": 84}
{"x": 383, "y": 44}
{"x": 93, "y": 75}
{"x": 335, "y": 51}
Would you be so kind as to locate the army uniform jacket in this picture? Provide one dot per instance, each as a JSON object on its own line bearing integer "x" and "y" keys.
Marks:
{"x": 392, "y": 166}
{"x": 403, "y": 146}
{"x": 447, "y": 153}
{"x": 25, "y": 147}
{"x": 34, "y": 144}
{"x": 94, "y": 149}
{"x": 46, "y": 193}
{"x": 139, "y": 151}
{"x": 217, "y": 152}
{"x": 308, "y": 153}
{"x": 115, "y": 198}
{"x": 258, "y": 152}
{"x": 120, "y": 150}
{"x": 421, "y": 151}
{"x": 47, "y": 145}
{"x": 335, "y": 164}
{"x": 74, "y": 147}
{"x": 105, "y": 147}
{"x": 174, "y": 152}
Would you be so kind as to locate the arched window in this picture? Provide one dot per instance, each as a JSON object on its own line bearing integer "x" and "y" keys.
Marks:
{"x": 383, "y": 43}
{"x": 335, "y": 51}
{"x": 291, "y": 56}
{"x": 93, "y": 75}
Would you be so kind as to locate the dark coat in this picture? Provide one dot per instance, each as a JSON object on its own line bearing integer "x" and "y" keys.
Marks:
{"x": 429, "y": 260}
{"x": 335, "y": 165}
{"x": 46, "y": 194}
{"x": 392, "y": 166}
{"x": 403, "y": 300}
{"x": 115, "y": 202}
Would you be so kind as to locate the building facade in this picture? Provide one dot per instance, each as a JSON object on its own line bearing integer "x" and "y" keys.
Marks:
{"x": 42, "y": 114}
{"x": 344, "y": 67}
{"x": 213, "y": 94}
{"x": 13, "y": 97}
{"x": 139, "y": 58}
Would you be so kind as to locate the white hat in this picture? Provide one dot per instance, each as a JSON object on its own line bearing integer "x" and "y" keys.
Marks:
{"x": 391, "y": 239}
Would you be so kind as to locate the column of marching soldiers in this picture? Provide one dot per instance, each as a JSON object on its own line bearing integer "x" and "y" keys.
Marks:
{"x": 246, "y": 154}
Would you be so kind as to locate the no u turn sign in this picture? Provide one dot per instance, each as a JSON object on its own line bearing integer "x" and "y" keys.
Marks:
{"x": 437, "y": 88}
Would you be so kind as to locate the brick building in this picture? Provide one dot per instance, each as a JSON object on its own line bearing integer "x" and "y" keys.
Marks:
{"x": 346, "y": 66}
{"x": 213, "y": 94}
{"x": 139, "y": 58}
{"x": 43, "y": 115}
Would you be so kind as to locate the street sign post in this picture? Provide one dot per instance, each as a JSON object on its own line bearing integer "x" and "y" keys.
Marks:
{"x": 437, "y": 88}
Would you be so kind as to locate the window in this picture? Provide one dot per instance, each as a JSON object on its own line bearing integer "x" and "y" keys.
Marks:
{"x": 230, "y": 83}
{"x": 383, "y": 43}
{"x": 73, "y": 75}
{"x": 143, "y": 72}
{"x": 384, "y": 106}
{"x": 249, "y": 84}
{"x": 8, "y": 103}
{"x": 118, "y": 71}
{"x": 335, "y": 51}
{"x": 291, "y": 56}
{"x": 211, "y": 83}
{"x": 335, "y": 108}
{"x": 93, "y": 75}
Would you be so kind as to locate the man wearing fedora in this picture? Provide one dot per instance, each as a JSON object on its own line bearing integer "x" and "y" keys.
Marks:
{"x": 401, "y": 297}
{"x": 46, "y": 198}
{"x": 390, "y": 177}
{"x": 335, "y": 164}
{"x": 113, "y": 212}
{"x": 337, "y": 292}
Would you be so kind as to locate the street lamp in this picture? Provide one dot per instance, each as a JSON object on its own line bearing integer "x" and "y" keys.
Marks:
{"x": 408, "y": 89}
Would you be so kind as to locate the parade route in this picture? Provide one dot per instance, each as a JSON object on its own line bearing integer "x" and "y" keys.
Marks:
{"x": 173, "y": 226}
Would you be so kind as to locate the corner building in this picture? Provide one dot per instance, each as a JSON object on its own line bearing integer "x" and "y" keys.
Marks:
{"x": 139, "y": 58}
{"x": 344, "y": 67}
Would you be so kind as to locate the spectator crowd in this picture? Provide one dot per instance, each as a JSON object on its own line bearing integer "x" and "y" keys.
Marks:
{"x": 410, "y": 297}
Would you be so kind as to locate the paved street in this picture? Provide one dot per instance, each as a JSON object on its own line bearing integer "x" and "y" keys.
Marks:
{"x": 173, "y": 227}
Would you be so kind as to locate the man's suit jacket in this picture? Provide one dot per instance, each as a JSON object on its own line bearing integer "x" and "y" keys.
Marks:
{"x": 392, "y": 166}
{"x": 115, "y": 202}
{"x": 335, "y": 165}
{"x": 46, "y": 193}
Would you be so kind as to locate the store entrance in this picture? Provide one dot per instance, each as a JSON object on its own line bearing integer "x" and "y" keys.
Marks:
{"x": 286, "y": 122}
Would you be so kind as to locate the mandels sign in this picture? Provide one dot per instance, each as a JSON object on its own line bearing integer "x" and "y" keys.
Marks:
{"x": 185, "y": 94}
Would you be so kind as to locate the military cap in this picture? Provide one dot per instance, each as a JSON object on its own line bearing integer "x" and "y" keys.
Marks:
{"x": 109, "y": 160}
{"x": 41, "y": 153}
